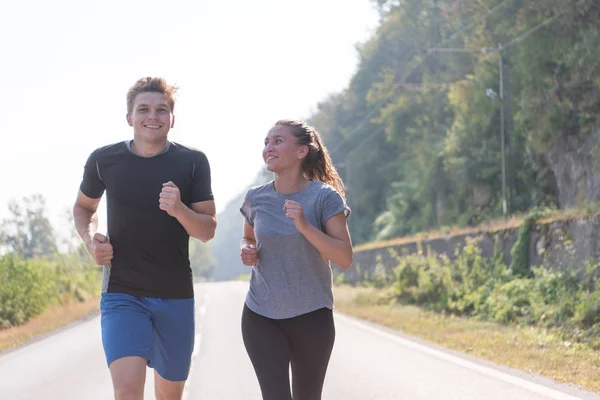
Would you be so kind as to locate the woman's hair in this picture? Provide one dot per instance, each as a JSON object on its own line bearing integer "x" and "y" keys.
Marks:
{"x": 317, "y": 163}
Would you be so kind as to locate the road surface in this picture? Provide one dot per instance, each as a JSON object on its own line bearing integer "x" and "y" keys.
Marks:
{"x": 368, "y": 363}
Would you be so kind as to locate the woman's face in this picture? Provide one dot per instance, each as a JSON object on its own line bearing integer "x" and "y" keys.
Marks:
{"x": 282, "y": 150}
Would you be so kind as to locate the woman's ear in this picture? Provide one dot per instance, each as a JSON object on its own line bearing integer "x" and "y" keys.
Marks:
{"x": 303, "y": 152}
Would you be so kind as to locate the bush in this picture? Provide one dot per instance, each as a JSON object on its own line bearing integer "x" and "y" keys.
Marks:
{"x": 587, "y": 311}
{"x": 28, "y": 287}
{"x": 520, "y": 251}
{"x": 510, "y": 302}
{"x": 485, "y": 288}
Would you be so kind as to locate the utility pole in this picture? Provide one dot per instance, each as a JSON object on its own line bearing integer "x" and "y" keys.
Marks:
{"x": 499, "y": 49}
{"x": 510, "y": 152}
{"x": 502, "y": 138}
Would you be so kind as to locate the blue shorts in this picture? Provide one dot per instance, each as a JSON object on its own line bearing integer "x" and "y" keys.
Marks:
{"x": 160, "y": 330}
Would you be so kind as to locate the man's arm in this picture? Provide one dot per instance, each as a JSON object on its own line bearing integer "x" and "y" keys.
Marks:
{"x": 200, "y": 221}
{"x": 86, "y": 224}
{"x": 85, "y": 217}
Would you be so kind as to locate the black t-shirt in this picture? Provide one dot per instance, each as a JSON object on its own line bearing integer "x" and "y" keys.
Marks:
{"x": 151, "y": 255}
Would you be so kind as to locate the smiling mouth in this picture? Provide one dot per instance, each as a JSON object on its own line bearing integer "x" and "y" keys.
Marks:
{"x": 270, "y": 158}
{"x": 152, "y": 126}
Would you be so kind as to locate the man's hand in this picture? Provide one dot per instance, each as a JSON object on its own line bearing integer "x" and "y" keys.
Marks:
{"x": 170, "y": 199}
{"x": 101, "y": 249}
{"x": 249, "y": 255}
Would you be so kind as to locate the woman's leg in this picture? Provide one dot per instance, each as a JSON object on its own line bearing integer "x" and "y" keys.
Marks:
{"x": 312, "y": 337}
{"x": 269, "y": 351}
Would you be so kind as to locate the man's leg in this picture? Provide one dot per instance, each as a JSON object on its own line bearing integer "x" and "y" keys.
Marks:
{"x": 129, "y": 376}
{"x": 174, "y": 335}
{"x": 167, "y": 390}
{"x": 127, "y": 337}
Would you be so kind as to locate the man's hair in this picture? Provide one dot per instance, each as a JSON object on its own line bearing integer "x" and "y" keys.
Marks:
{"x": 150, "y": 84}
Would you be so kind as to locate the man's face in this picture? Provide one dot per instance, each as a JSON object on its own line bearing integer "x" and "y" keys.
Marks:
{"x": 151, "y": 117}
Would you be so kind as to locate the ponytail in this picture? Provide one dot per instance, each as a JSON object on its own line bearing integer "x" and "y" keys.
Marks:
{"x": 317, "y": 164}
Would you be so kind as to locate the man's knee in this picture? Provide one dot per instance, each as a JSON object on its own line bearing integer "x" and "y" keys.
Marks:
{"x": 128, "y": 376}
{"x": 129, "y": 393}
{"x": 167, "y": 390}
{"x": 169, "y": 397}
{"x": 166, "y": 394}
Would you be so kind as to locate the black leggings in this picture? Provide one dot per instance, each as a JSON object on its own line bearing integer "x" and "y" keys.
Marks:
{"x": 304, "y": 341}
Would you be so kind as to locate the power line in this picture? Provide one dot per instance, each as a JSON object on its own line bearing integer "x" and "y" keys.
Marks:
{"x": 402, "y": 83}
{"x": 490, "y": 50}
{"x": 419, "y": 63}
{"x": 419, "y": 86}
{"x": 454, "y": 36}
{"x": 451, "y": 50}
{"x": 501, "y": 47}
{"x": 464, "y": 28}
{"x": 482, "y": 4}
{"x": 477, "y": 21}
{"x": 500, "y": 50}
{"x": 541, "y": 25}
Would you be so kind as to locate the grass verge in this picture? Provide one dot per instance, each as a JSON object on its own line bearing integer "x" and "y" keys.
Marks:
{"x": 48, "y": 321}
{"x": 530, "y": 349}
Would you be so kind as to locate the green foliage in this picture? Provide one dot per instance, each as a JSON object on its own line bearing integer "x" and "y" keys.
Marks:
{"x": 416, "y": 133}
{"x": 33, "y": 275}
{"x": 460, "y": 287}
{"x": 419, "y": 157}
{"x": 587, "y": 312}
{"x": 28, "y": 287}
{"x": 25, "y": 288}
{"x": 485, "y": 288}
{"x": 520, "y": 251}
{"x": 28, "y": 232}
{"x": 202, "y": 260}
{"x": 510, "y": 302}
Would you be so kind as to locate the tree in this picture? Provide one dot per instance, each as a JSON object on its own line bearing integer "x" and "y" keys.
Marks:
{"x": 416, "y": 133}
{"x": 28, "y": 232}
{"x": 202, "y": 260}
{"x": 69, "y": 239}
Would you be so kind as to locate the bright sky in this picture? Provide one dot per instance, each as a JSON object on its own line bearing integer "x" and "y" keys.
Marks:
{"x": 240, "y": 65}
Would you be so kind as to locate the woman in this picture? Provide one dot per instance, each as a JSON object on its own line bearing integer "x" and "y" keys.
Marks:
{"x": 294, "y": 227}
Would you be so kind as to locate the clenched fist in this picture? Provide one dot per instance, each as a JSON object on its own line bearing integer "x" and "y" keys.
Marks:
{"x": 293, "y": 210}
{"x": 249, "y": 255}
{"x": 101, "y": 249}
{"x": 170, "y": 199}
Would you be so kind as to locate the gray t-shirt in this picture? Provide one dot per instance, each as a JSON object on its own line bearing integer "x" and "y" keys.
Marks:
{"x": 291, "y": 276}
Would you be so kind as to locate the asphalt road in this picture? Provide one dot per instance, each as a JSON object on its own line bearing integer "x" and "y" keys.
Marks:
{"x": 368, "y": 362}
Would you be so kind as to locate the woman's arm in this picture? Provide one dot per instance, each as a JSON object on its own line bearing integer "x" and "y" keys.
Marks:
{"x": 248, "y": 253}
{"x": 335, "y": 243}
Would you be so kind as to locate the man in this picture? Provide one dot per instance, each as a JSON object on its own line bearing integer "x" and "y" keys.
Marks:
{"x": 158, "y": 195}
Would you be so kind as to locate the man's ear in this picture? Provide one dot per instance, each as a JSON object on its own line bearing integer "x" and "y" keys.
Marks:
{"x": 129, "y": 121}
{"x": 173, "y": 121}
